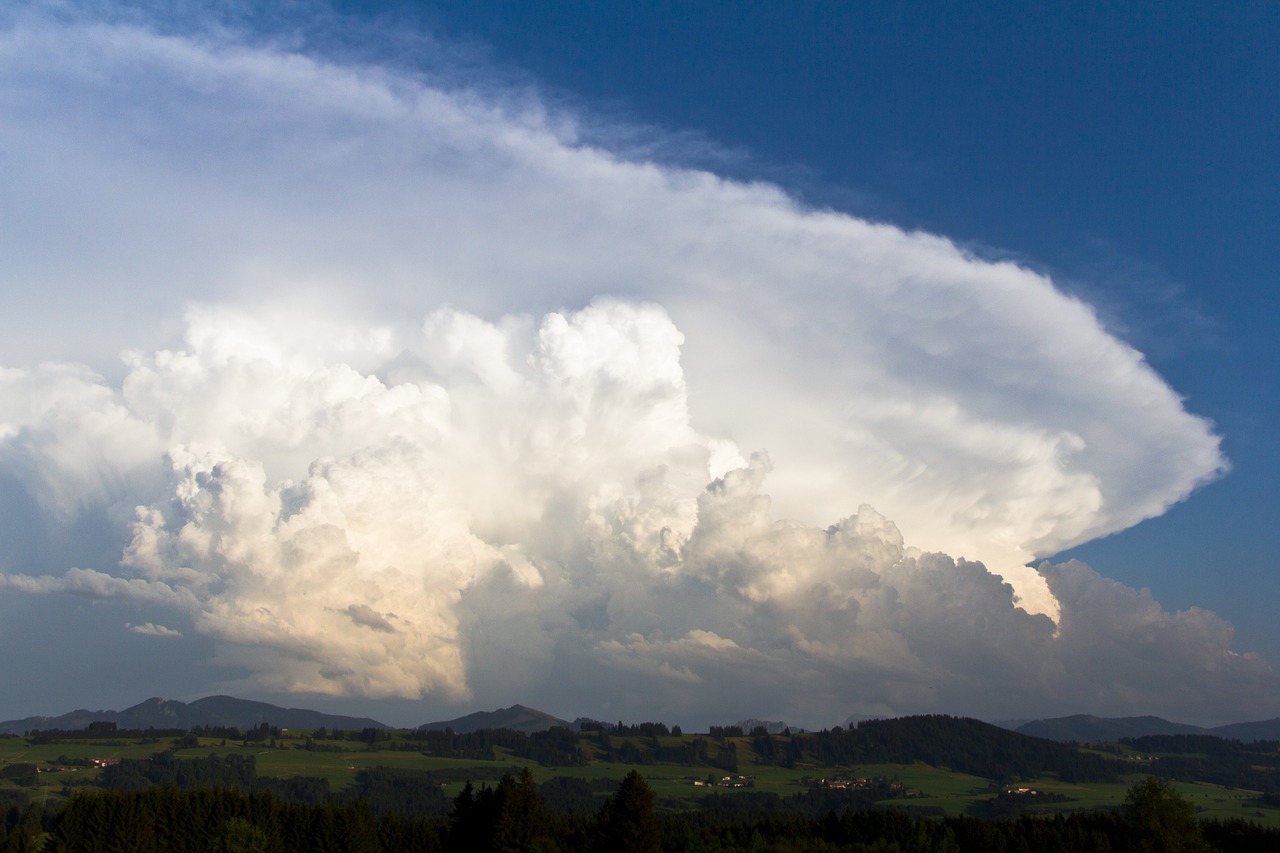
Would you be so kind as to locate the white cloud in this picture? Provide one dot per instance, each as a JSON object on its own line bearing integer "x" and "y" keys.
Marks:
{"x": 417, "y": 383}
{"x": 95, "y": 584}
{"x": 413, "y": 490}
{"x": 67, "y": 437}
{"x": 150, "y": 629}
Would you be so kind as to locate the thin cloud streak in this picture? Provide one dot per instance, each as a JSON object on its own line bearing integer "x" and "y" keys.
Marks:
{"x": 149, "y": 629}
{"x": 401, "y": 360}
{"x": 95, "y": 584}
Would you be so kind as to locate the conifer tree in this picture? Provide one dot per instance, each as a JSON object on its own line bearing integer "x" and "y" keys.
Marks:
{"x": 1164, "y": 820}
{"x": 627, "y": 823}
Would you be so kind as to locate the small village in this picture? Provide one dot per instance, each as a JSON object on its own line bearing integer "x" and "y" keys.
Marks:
{"x": 846, "y": 783}
{"x": 734, "y": 781}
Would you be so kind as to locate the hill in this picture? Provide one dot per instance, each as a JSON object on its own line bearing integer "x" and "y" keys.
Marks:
{"x": 210, "y": 711}
{"x": 1086, "y": 728}
{"x": 517, "y": 718}
{"x": 958, "y": 743}
{"x": 1261, "y": 730}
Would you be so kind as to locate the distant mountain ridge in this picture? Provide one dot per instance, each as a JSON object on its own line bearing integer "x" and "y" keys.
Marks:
{"x": 160, "y": 713}
{"x": 518, "y": 718}
{"x": 1085, "y": 728}
{"x": 773, "y": 727}
{"x": 1261, "y": 730}
{"x": 245, "y": 714}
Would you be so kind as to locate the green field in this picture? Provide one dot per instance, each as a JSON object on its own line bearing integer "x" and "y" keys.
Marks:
{"x": 953, "y": 793}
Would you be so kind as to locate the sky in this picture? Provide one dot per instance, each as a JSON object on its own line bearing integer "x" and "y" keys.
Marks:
{"x": 651, "y": 362}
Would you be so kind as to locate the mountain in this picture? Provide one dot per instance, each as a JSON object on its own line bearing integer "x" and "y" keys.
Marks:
{"x": 517, "y": 718}
{"x": 1085, "y": 728}
{"x": 1012, "y": 725}
{"x": 1247, "y": 732}
{"x": 210, "y": 711}
{"x": 773, "y": 727}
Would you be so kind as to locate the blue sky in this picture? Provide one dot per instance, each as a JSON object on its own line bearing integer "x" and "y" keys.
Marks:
{"x": 407, "y": 359}
{"x": 1127, "y": 150}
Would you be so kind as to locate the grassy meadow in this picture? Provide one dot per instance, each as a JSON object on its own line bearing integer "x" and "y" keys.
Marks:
{"x": 340, "y": 761}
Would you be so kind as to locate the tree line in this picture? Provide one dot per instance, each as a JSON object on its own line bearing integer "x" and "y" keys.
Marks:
{"x": 956, "y": 743}
{"x": 513, "y": 815}
{"x": 1221, "y": 761}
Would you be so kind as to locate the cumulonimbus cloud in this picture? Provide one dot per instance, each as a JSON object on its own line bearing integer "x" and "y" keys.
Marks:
{"x": 505, "y": 376}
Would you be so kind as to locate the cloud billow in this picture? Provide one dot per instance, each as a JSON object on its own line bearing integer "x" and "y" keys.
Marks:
{"x": 514, "y": 397}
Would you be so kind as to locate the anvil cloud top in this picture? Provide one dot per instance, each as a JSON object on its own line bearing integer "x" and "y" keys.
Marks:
{"x": 329, "y": 373}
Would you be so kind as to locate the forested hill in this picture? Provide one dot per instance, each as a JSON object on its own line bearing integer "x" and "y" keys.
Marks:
{"x": 1209, "y": 758}
{"x": 210, "y": 711}
{"x": 957, "y": 743}
{"x": 517, "y": 718}
{"x": 1086, "y": 728}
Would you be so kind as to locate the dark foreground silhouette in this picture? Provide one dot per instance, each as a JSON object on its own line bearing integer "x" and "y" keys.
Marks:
{"x": 514, "y": 816}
